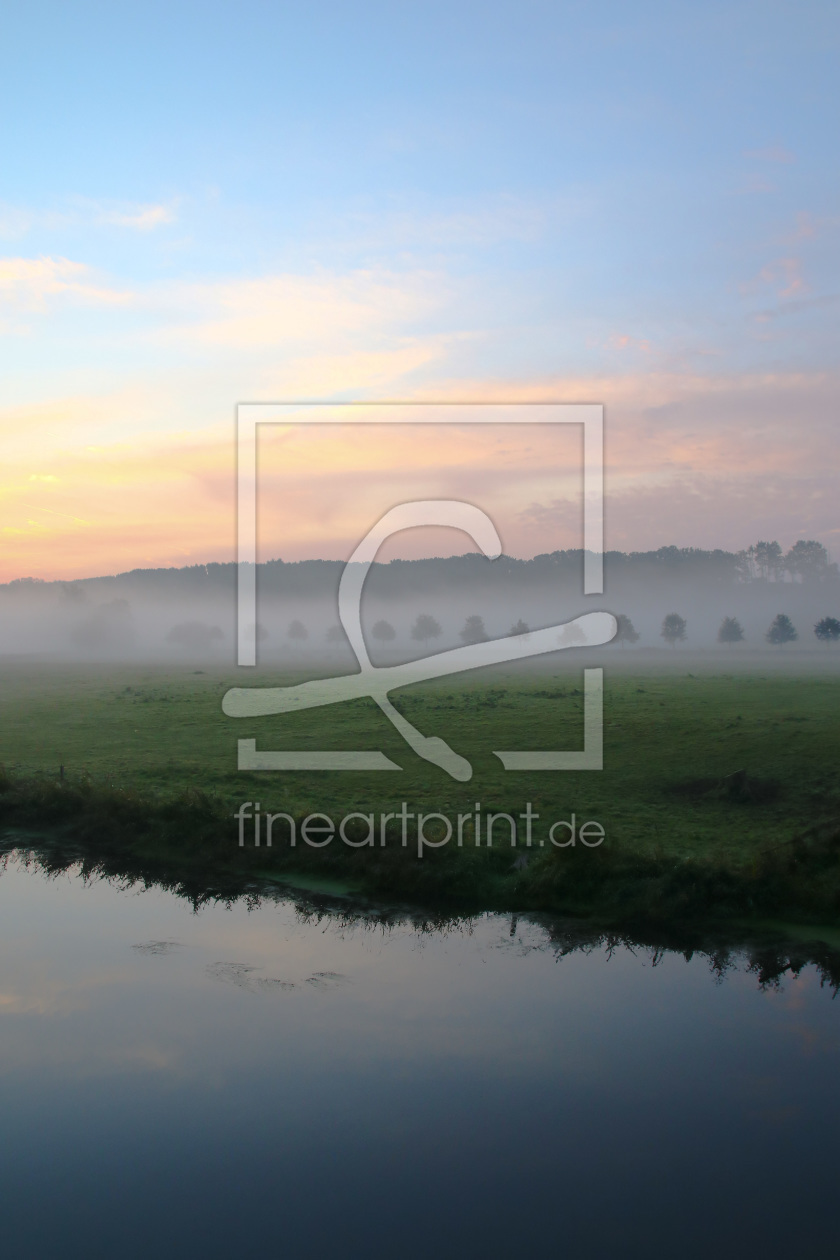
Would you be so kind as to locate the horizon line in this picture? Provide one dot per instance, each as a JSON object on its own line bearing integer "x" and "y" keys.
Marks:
{"x": 567, "y": 551}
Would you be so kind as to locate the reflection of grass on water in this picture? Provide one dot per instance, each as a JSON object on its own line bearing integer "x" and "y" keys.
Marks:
{"x": 771, "y": 952}
{"x": 719, "y": 795}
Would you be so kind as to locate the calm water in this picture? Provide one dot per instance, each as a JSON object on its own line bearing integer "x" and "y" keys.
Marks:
{"x": 233, "y": 1083}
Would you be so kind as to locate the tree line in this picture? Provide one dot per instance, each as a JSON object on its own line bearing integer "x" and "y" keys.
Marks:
{"x": 674, "y": 630}
{"x": 110, "y": 626}
{"x": 425, "y": 628}
{"x": 780, "y": 631}
{"x": 807, "y": 562}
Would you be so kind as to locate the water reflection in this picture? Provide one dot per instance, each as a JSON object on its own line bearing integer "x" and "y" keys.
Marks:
{"x": 768, "y": 952}
{"x": 226, "y": 1071}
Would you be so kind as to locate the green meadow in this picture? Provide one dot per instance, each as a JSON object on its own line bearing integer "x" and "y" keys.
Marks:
{"x": 708, "y": 776}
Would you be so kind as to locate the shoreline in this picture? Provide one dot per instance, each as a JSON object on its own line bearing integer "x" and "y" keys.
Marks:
{"x": 772, "y": 951}
{"x": 190, "y": 841}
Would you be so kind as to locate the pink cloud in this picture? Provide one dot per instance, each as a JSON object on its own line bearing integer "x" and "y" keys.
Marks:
{"x": 693, "y": 460}
{"x": 783, "y": 274}
{"x": 771, "y": 153}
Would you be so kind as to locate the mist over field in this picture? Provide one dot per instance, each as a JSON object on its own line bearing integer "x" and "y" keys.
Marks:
{"x": 189, "y": 614}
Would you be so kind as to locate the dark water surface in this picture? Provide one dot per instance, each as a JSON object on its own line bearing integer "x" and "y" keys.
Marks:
{"x": 240, "y": 1083}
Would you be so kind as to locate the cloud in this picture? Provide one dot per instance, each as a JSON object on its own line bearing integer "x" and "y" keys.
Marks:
{"x": 157, "y": 500}
{"x": 810, "y": 227}
{"x": 27, "y": 283}
{"x": 776, "y": 153}
{"x": 783, "y": 274}
{"x": 186, "y": 352}
{"x": 624, "y": 341}
{"x": 326, "y": 312}
{"x": 16, "y": 221}
{"x": 806, "y": 227}
{"x": 142, "y": 218}
{"x": 326, "y": 375}
{"x": 354, "y": 316}
{"x": 796, "y": 308}
{"x": 705, "y": 461}
{"x": 265, "y": 310}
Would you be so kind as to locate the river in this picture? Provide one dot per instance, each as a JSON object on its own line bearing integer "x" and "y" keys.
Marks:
{"x": 271, "y": 1078}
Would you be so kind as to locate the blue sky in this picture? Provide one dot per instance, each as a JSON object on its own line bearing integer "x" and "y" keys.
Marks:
{"x": 508, "y": 197}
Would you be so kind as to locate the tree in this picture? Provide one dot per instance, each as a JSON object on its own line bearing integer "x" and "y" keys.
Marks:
{"x": 297, "y": 630}
{"x": 673, "y": 629}
{"x": 425, "y": 628}
{"x": 827, "y": 630}
{"x": 335, "y": 634}
{"x": 384, "y": 631}
{"x": 521, "y": 627}
{"x": 768, "y": 559}
{"x": 782, "y": 630}
{"x": 572, "y": 635}
{"x": 626, "y": 632}
{"x": 807, "y": 559}
{"x": 473, "y": 631}
{"x": 730, "y": 631}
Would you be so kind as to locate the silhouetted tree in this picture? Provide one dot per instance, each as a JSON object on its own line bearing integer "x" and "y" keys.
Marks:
{"x": 335, "y": 634}
{"x": 782, "y": 630}
{"x": 744, "y": 566}
{"x": 807, "y": 559}
{"x": 473, "y": 631}
{"x": 768, "y": 559}
{"x": 384, "y": 631}
{"x": 673, "y": 629}
{"x": 521, "y": 627}
{"x": 297, "y": 630}
{"x": 626, "y": 632}
{"x": 730, "y": 631}
{"x": 827, "y": 630}
{"x": 425, "y": 628}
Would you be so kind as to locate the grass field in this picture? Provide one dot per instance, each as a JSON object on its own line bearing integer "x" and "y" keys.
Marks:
{"x": 671, "y": 742}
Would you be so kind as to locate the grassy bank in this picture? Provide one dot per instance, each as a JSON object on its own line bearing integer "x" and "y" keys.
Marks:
{"x": 719, "y": 794}
{"x": 189, "y": 842}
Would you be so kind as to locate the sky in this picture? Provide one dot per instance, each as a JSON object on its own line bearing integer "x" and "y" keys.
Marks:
{"x": 203, "y": 204}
